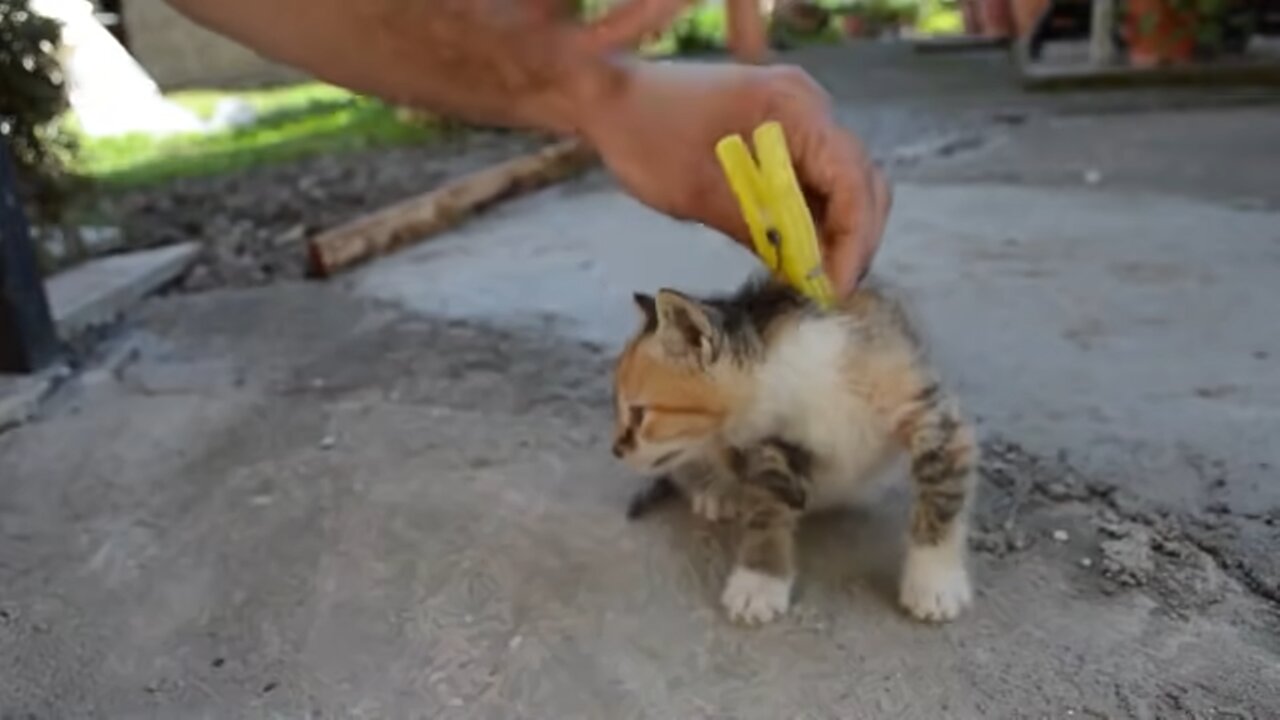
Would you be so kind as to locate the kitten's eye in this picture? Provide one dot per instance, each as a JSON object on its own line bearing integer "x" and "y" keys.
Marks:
{"x": 637, "y": 414}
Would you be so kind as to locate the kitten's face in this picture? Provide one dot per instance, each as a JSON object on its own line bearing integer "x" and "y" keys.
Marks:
{"x": 670, "y": 394}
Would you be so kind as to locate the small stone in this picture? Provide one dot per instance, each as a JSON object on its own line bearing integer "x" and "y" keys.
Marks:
{"x": 1167, "y": 548}
{"x": 1086, "y": 562}
{"x": 987, "y": 543}
{"x": 1113, "y": 529}
{"x": 1101, "y": 488}
{"x": 1057, "y": 491}
{"x": 327, "y": 442}
{"x": 1128, "y": 560}
{"x": 1061, "y": 536}
{"x": 1018, "y": 541}
{"x": 1009, "y": 117}
{"x": 1092, "y": 176}
{"x": 292, "y": 236}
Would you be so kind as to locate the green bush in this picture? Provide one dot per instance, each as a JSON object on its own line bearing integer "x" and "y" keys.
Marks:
{"x": 32, "y": 98}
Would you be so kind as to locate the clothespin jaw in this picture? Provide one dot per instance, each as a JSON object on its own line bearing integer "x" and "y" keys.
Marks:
{"x": 774, "y": 208}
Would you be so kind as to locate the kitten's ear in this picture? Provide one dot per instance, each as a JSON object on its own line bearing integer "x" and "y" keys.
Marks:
{"x": 648, "y": 310}
{"x": 687, "y": 326}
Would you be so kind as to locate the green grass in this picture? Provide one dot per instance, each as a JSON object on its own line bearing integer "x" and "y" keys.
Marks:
{"x": 293, "y": 122}
{"x": 938, "y": 18}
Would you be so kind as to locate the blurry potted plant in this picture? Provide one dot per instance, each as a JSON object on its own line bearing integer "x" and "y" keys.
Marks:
{"x": 873, "y": 18}
{"x": 855, "y": 19}
{"x": 1162, "y": 32}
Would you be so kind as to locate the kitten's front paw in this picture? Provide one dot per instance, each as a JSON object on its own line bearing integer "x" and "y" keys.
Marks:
{"x": 713, "y": 505}
{"x": 935, "y": 584}
{"x": 753, "y": 598}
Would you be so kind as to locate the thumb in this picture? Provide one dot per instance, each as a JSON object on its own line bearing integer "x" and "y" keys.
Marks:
{"x": 626, "y": 25}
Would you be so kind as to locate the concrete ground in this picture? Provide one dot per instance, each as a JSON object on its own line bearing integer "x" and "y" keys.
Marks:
{"x": 389, "y": 496}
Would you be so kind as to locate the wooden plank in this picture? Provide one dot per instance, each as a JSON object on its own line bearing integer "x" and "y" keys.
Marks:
{"x": 413, "y": 220}
{"x": 28, "y": 341}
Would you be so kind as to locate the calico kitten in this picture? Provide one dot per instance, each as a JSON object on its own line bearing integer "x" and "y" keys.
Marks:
{"x": 761, "y": 407}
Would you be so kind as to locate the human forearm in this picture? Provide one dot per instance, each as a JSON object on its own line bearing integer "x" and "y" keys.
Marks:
{"x": 504, "y": 62}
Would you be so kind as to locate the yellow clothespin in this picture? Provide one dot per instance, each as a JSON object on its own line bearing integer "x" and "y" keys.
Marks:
{"x": 774, "y": 207}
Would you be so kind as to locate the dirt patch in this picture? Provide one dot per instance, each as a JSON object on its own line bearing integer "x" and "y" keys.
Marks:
{"x": 1117, "y": 545}
{"x": 254, "y": 223}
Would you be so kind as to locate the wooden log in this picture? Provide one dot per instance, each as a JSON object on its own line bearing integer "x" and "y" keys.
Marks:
{"x": 417, "y": 218}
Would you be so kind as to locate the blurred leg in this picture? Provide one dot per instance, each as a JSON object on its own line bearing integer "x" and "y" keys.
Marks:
{"x": 747, "y": 39}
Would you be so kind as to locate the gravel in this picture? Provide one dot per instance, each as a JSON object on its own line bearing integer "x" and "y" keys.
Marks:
{"x": 254, "y": 223}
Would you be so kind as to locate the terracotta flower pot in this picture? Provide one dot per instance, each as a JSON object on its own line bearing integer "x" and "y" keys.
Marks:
{"x": 1159, "y": 34}
{"x": 854, "y": 25}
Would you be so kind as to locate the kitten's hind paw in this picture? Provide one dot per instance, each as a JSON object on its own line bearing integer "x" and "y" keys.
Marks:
{"x": 935, "y": 584}
{"x": 754, "y": 598}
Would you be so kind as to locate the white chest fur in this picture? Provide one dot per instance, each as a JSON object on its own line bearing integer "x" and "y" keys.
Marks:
{"x": 804, "y": 395}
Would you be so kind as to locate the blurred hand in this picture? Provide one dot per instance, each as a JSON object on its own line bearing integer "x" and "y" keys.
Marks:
{"x": 657, "y": 134}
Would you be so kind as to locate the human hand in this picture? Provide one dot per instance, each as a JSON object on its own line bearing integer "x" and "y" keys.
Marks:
{"x": 657, "y": 134}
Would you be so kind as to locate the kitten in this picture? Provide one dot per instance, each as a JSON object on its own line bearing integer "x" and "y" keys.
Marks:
{"x": 760, "y": 406}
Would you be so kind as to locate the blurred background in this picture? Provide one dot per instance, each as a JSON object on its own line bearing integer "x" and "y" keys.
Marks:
{"x": 111, "y": 107}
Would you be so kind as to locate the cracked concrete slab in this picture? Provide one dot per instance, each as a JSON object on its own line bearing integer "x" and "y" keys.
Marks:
{"x": 458, "y": 548}
{"x": 99, "y": 291}
{"x": 313, "y": 499}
